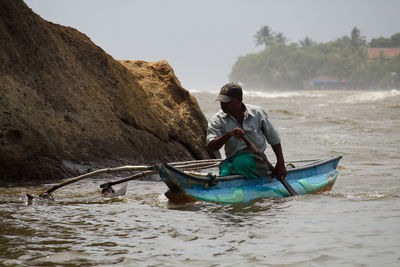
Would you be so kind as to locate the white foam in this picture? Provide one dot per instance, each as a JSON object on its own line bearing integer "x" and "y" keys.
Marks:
{"x": 246, "y": 93}
{"x": 207, "y": 90}
{"x": 370, "y": 96}
{"x": 263, "y": 93}
{"x": 118, "y": 191}
{"x": 270, "y": 94}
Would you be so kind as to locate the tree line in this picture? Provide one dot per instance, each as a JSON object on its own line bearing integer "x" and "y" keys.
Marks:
{"x": 294, "y": 65}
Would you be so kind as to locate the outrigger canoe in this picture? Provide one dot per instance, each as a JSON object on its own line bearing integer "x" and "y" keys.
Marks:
{"x": 313, "y": 178}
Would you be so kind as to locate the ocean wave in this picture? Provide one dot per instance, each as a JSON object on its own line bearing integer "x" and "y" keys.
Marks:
{"x": 363, "y": 195}
{"x": 370, "y": 96}
{"x": 270, "y": 94}
{"x": 260, "y": 94}
{"x": 349, "y": 97}
{"x": 198, "y": 91}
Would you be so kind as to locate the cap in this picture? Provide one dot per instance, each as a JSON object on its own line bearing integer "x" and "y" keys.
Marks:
{"x": 229, "y": 91}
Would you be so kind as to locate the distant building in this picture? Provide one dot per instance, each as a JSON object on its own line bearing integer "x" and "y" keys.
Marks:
{"x": 329, "y": 82}
{"x": 374, "y": 53}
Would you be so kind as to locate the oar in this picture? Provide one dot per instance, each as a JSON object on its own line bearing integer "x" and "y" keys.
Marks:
{"x": 199, "y": 161}
{"x": 288, "y": 187}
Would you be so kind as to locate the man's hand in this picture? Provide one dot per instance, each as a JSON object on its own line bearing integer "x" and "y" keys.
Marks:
{"x": 237, "y": 132}
{"x": 218, "y": 142}
{"x": 280, "y": 170}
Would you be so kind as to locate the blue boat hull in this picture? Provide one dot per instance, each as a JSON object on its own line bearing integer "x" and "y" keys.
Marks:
{"x": 316, "y": 177}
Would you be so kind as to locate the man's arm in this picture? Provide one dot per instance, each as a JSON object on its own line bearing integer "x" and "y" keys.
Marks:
{"x": 280, "y": 168}
{"x": 218, "y": 142}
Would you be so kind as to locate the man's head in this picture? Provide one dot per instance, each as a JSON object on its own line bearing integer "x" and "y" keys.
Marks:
{"x": 231, "y": 96}
{"x": 230, "y": 91}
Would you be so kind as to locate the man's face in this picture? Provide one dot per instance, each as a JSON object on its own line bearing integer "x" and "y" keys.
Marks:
{"x": 232, "y": 106}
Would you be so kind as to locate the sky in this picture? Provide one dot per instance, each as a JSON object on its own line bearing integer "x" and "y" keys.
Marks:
{"x": 203, "y": 39}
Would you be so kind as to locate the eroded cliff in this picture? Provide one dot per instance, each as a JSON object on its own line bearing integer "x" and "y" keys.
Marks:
{"x": 64, "y": 100}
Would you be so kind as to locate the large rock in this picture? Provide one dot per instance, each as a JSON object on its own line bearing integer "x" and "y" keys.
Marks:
{"x": 64, "y": 102}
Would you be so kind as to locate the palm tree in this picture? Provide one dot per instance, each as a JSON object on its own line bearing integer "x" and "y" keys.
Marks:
{"x": 264, "y": 36}
{"x": 307, "y": 42}
{"x": 358, "y": 44}
{"x": 395, "y": 38}
{"x": 357, "y": 40}
{"x": 280, "y": 39}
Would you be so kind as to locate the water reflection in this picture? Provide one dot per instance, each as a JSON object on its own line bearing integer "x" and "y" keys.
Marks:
{"x": 238, "y": 215}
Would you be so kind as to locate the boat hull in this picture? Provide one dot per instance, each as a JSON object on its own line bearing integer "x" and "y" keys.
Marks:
{"x": 314, "y": 178}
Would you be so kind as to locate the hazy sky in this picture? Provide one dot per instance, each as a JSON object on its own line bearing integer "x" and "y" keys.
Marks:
{"x": 203, "y": 39}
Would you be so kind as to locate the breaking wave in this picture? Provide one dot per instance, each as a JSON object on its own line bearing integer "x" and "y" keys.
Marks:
{"x": 198, "y": 91}
{"x": 370, "y": 96}
{"x": 270, "y": 94}
{"x": 349, "y": 97}
{"x": 263, "y": 94}
{"x": 363, "y": 195}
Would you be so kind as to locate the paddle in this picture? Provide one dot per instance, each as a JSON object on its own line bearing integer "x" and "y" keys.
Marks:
{"x": 288, "y": 187}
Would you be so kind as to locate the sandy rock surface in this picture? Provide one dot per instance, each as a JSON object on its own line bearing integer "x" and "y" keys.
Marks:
{"x": 65, "y": 103}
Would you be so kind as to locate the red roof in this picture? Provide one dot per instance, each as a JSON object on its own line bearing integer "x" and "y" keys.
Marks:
{"x": 374, "y": 53}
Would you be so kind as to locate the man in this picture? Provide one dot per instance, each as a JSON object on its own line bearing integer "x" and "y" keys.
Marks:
{"x": 229, "y": 125}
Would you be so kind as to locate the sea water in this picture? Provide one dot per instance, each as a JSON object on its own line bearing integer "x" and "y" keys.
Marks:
{"x": 355, "y": 224}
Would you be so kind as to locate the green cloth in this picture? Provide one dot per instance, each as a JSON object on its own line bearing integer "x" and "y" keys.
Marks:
{"x": 245, "y": 163}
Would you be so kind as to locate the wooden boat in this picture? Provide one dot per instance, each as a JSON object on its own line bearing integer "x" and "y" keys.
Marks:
{"x": 312, "y": 178}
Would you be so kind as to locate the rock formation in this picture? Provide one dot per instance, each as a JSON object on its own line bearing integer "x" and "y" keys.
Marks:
{"x": 64, "y": 102}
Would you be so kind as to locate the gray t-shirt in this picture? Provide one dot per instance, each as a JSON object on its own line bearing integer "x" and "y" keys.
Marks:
{"x": 255, "y": 124}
